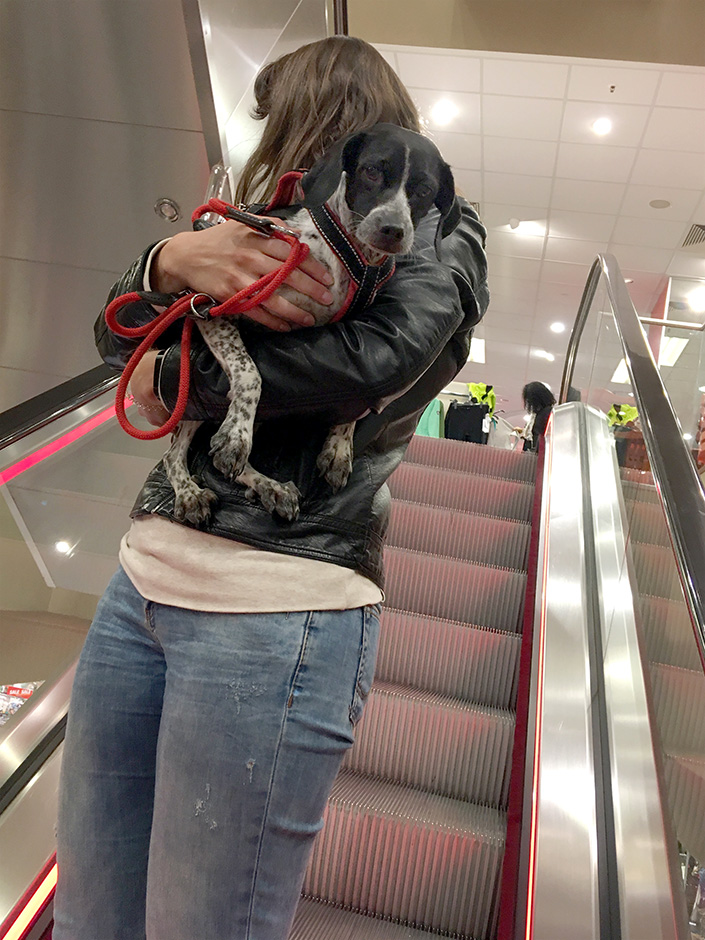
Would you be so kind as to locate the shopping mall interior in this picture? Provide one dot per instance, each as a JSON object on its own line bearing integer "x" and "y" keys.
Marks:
{"x": 531, "y": 761}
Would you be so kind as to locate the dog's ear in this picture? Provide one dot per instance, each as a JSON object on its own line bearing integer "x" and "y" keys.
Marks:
{"x": 448, "y": 205}
{"x": 323, "y": 178}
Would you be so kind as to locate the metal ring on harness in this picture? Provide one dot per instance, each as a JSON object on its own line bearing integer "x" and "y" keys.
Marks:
{"x": 202, "y": 314}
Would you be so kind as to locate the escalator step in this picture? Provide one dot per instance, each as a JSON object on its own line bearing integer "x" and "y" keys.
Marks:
{"x": 455, "y": 590}
{"x": 472, "y": 458}
{"x": 435, "y": 743}
{"x": 488, "y": 496}
{"x": 416, "y": 858}
{"x": 316, "y": 920}
{"x": 457, "y": 659}
{"x": 455, "y": 534}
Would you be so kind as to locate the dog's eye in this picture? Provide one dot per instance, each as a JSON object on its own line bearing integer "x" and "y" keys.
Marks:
{"x": 423, "y": 191}
{"x": 372, "y": 174}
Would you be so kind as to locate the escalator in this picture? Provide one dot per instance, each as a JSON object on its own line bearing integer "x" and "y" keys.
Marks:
{"x": 532, "y": 758}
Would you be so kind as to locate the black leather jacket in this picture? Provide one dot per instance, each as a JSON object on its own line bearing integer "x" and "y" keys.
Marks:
{"x": 380, "y": 368}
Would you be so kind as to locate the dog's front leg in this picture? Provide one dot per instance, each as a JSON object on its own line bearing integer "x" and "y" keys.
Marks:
{"x": 193, "y": 502}
{"x": 232, "y": 442}
{"x": 335, "y": 458}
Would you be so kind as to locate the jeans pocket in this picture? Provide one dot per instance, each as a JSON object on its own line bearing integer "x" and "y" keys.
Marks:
{"x": 368, "y": 658}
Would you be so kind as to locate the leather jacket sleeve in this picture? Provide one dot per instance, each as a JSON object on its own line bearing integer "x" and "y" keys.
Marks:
{"x": 347, "y": 369}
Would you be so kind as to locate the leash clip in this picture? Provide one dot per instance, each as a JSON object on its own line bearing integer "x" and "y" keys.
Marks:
{"x": 204, "y": 312}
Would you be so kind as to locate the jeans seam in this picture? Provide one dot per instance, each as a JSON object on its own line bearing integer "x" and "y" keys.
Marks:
{"x": 275, "y": 763}
{"x": 364, "y": 644}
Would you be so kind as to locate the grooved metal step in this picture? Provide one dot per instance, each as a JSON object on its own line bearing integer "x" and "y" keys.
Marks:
{"x": 327, "y": 922}
{"x": 419, "y": 859}
{"x": 685, "y": 786}
{"x": 472, "y": 458}
{"x": 451, "y": 489}
{"x": 455, "y": 590}
{"x": 481, "y": 539}
{"x": 668, "y": 630}
{"x": 435, "y": 743}
{"x": 656, "y": 572}
{"x": 679, "y": 699}
{"x": 457, "y": 659}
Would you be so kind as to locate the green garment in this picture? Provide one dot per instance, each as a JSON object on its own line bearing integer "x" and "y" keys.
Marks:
{"x": 621, "y": 414}
{"x": 484, "y": 394}
{"x": 431, "y": 422}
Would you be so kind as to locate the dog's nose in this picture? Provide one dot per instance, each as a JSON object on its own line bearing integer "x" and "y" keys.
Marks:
{"x": 393, "y": 232}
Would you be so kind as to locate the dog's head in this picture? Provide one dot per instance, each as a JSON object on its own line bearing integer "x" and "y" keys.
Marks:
{"x": 388, "y": 178}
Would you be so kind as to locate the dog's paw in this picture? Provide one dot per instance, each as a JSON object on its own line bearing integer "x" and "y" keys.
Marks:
{"x": 193, "y": 504}
{"x": 230, "y": 450}
{"x": 335, "y": 463}
{"x": 279, "y": 498}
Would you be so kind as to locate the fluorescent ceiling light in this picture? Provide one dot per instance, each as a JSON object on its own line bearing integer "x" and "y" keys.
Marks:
{"x": 444, "y": 111}
{"x": 621, "y": 376}
{"x": 602, "y": 126}
{"x": 671, "y": 348}
{"x": 477, "y": 350}
{"x": 542, "y": 354}
{"x": 557, "y": 327}
{"x": 696, "y": 300}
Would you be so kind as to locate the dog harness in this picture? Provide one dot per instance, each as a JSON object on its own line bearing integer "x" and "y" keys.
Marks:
{"x": 365, "y": 281}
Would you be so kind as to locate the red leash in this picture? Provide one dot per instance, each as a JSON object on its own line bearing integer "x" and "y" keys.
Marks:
{"x": 186, "y": 306}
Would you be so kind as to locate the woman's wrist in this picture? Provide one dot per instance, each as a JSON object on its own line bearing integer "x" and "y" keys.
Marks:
{"x": 163, "y": 274}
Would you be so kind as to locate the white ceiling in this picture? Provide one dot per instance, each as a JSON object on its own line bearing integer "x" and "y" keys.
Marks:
{"x": 522, "y": 147}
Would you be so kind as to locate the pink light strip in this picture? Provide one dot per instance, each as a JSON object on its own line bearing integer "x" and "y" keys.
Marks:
{"x": 54, "y": 447}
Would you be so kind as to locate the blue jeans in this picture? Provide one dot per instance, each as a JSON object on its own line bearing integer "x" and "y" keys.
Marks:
{"x": 200, "y": 751}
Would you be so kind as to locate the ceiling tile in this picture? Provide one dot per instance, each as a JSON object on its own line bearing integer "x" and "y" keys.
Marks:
{"x": 527, "y": 118}
{"x": 445, "y": 72}
{"x": 533, "y": 158}
{"x": 676, "y": 129}
{"x": 498, "y": 323}
{"x": 563, "y": 294}
{"x": 606, "y": 164}
{"x": 663, "y": 167}
{"x": 462, "y": 151}
{"x": 513, "y": 188}
{"x": 524, "y": 268}
{"x": 511, "y": 306}
{"x": 521, "y": 77}
{"x": 390, "y": 56}
{"x": 587, "y": 196}
{"x": 683, "y": 203}
{"x": 651, "y": 233}
{"x": 586, "y": 225}
{"x": 573, "y": 250}
{"x": 682, "y": 89}
{"x": 562, "y": 272}
{"x": 514, "y": 245}
{"x": 469, "y": 184}
{"x": 512, "y": 287}
{"x": 467, "y": 120}
{"x": 594, "y": 83}
{"x": 635, "y": 258}
{"x": 687, "y": 265}
{"x": 628, "y": 123}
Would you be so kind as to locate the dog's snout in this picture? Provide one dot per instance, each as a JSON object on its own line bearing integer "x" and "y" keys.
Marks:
{"x": 393, "y": 232}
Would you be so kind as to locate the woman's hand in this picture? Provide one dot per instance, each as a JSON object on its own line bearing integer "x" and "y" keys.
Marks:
{"x": 141, "y": 387}
{"x": 228, "y": 257}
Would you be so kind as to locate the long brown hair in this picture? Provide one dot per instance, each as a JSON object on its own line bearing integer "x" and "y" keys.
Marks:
{"x": 313, "y": 97}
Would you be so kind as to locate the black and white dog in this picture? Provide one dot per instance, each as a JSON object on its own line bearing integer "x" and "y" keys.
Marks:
{"x": 373, "y": 187}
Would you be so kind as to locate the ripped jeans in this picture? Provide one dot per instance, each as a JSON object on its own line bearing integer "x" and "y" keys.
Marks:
{"x": 199, "y": 754}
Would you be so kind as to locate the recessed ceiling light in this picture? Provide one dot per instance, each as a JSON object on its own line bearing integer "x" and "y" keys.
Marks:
{"x": 444, "y": 111}
{"x": 602, "y": 126}
{"x": 702, "y": 388}
{"x": 528, "y": 227}
{"x": 696, "y": 300}
{"x": 660, "y": 204}
{"x": 671, "y": 348}
{"x": 687, "y": 437}
{"x": 557, "y": 327}
{"x": 62, "y": 547}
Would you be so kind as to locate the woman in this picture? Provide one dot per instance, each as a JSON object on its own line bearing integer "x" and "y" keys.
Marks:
{"x": 538, "y": 401}
{"x": 227, "y": 666}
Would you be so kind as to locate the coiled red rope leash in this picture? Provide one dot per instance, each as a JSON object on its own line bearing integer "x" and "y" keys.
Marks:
{"x": 186, "y": 306}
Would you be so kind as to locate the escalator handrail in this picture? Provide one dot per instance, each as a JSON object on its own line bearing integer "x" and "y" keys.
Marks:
{"x": 35, "y": 413}
{"x": 674, "y": 472}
